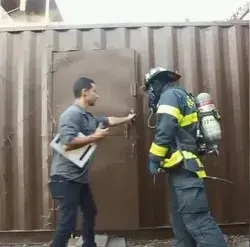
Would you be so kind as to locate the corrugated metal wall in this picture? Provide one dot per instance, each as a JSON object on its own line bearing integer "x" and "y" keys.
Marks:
{"x": 212, "y": 57}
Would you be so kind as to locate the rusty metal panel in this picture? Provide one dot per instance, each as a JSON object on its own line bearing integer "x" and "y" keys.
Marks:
{"x": 23, "y": 153}
{"x": 211, "y": 56}
{"x": 114, "y": 172}
{"x": 100, "y": 64}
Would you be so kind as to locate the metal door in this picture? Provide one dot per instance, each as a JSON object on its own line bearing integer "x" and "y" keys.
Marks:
{"x": 114, "y": 177}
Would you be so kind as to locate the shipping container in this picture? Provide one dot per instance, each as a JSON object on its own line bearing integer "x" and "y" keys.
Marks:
{"x": 38, "y": 67}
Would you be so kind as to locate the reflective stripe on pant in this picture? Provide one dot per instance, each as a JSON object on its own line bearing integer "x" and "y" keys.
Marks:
{"x": 190, "y": 216}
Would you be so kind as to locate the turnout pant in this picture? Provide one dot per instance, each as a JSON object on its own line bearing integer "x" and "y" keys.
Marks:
{"x": 70, "y": 195}
{"x": 191, "y": 220}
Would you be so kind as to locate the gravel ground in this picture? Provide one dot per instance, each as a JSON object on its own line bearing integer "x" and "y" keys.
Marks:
{"x": 232, "y": 241}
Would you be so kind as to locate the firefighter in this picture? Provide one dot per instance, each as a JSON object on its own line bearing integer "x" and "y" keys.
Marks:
{"x": 174, "y": 151}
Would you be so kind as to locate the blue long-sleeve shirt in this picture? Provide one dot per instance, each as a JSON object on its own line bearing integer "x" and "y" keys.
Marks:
{"x": 72, "y": 121}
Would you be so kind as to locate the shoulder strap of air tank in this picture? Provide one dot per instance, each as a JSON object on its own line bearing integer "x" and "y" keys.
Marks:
{"x": 189, "y": 94}
{"x": 183, "y": 90}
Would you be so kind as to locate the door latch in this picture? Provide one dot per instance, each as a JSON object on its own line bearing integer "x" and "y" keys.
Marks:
{"x": 126, "y": 130}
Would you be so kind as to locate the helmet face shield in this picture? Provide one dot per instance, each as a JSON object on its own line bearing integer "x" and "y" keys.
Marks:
{"x": 154, "y": 93}
{"x": 152, "y": 98}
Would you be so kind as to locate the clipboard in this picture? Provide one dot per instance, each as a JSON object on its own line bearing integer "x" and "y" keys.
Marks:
{"x": 79, "y": 156}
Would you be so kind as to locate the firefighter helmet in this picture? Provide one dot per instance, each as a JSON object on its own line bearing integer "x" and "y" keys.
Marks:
{"x": 161, "y": 74}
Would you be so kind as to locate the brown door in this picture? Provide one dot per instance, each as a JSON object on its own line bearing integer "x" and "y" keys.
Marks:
{"x": 114, "y": 176}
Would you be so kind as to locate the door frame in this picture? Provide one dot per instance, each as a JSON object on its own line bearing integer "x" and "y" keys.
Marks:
{"x": 48, "y": 124}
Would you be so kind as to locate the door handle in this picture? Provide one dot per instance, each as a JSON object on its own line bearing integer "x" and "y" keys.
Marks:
{"x": 132, "y": 111}
{"x": 127, "y": 125}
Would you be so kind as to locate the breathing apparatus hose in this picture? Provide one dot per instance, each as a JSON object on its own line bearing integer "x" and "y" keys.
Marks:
{"x": 149, "y": 119}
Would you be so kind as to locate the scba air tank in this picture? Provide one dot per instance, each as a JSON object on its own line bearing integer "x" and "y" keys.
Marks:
{"x": 208, "y": 120}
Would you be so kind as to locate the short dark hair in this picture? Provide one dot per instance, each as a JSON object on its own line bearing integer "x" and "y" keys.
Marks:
{"x": 80, "y": 84}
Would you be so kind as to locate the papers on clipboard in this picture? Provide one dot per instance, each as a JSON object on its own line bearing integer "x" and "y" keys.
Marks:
{"x": 78, "y": 156}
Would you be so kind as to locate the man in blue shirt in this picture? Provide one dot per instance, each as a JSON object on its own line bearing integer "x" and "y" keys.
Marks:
{"x": 69, "y": 184}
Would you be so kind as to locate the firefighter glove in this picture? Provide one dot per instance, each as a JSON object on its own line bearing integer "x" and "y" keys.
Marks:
{"x": 153, "y": 167}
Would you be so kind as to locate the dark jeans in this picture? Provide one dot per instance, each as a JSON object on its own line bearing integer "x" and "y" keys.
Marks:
{"x": 70, "y": 195}
{"x": 192, "y": 222}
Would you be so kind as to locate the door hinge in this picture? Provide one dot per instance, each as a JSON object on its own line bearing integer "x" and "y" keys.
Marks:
{"x": 133, "y": 89}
